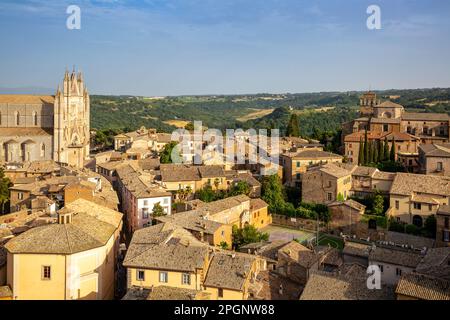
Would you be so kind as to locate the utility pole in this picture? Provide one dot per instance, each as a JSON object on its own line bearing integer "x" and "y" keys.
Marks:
{"x": 317, "y": 227}
{"x": 350, "y": 210}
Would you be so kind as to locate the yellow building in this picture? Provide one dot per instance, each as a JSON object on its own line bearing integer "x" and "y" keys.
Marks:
{"x": 230, "y": 275}
{"x": 170, "y": 256}
{"x": 176, "y": 177}
{"x": 208, "y": 231}
{"x": 74, "y": 258}
{"x": 165, "y": 254}
{"x": 212, "y": 222}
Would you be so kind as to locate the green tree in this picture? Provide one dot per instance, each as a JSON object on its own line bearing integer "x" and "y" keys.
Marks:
{"x": 392, "y": 153}
{"x": 272, "y": 192}
{"x": 386, "y": 150}
{"x": 366, "y": 149}
{"x": 340, "y": 197}
{"x": 391, "y": 166}
{"x": 378, "y": 205}
{"x": 158, "y": 210}
{"x": 380, "y": 151}
{"x": 412, "y": 229}
{"x": 223, "y": 245}
{"x": 430, "y": 226}
{"x": 166, "y": 153}
{"x": 370, "y": 147}
{"x": 183, "y": 194}
{"x": 293, "y": 128}
{"x": 5, "y": 184}
{"x": 376, "y": 158}
{"x": 396, "y": 226}
{"x": 241, "y": 187}
{"x": 361, "y": 159}
{"x": 206, "y": 194}
{"x": 246, "y": 235}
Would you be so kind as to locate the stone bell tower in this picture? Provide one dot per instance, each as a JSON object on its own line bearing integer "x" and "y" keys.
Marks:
{"x": 71, "y": 121}
{"x": 367, "y": 102}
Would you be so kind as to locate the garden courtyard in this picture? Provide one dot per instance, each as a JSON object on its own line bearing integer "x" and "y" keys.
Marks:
{"x": 303, "y": 236}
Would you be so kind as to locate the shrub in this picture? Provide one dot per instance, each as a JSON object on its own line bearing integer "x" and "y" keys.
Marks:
{"x": 412, "y": 229}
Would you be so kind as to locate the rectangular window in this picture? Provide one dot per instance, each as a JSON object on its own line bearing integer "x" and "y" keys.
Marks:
{"x": 446, "y": 222}
{"x": 385, "y": 127}
{"x": 397, "y": 204}
{"x": 381, "y": 267}
{"x": 140, "y": 275}
{"x": 417, "y": 206}
{"x": 163, "y": 277}
{"x": 446, "y": 236}
{"x": 166, "y": 201}
{"x": 145, "y": 202}
{"x": 298, "y": 164}
{"x": 439, "y": 166}
{"x": 430, "y": 207}
{"x": 220, "y": 292}
{"x": 145, "y": 213}
{"x": 46, "y": 273}
{"x": 20, "y": 195}
{"x": 329, "y": 196}
{"x": 398, "y": 272}
{"x": 186, "y": 279}
{"x": 298, "y": 176}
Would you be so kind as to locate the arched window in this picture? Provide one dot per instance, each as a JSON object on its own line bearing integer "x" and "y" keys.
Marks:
{"x": 42, "y": 150}
{"x": 17, "y": 114}
{"x": 417, "y": 221}
{"x": 35, "y": 118}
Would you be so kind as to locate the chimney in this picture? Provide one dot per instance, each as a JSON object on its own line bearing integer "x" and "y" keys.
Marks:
{"x": 64, "y": 217}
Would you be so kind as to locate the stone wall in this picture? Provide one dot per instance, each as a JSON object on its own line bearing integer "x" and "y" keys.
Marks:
{"x": 296, "y": 223}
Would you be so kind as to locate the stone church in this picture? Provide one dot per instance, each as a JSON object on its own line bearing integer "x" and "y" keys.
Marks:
{"x": 47, "y": 127}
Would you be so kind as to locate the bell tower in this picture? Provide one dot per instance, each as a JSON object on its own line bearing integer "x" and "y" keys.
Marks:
{"x": 71, "y": 121}
{"x": 367, "y": 102}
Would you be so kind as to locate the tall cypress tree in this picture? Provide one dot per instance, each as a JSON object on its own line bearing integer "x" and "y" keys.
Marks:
{"x": 366, "y": 149}
{"x": 293, "y": 128}
{"x": 361, "y": 152}
{"x": 386, "y": 150}
{"x": 375, "y": 151}
{"x": 370, "y": 147}
{"x": 392, "y": 155}
{"x": 380, "y": 151}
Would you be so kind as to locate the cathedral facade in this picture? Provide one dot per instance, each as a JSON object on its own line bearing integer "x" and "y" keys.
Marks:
{"x": 47, "y": 127}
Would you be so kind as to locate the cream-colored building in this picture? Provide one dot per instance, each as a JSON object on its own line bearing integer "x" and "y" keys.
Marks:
{"x": 176, "y": 177}
{"x": 434, "y": 159}
{"x": 326, "y": 184}
{"x": 296, "y": 163}
{"x": 74, "y": 258}
{"x": 47, "y": 127}
{"x": 414, "y": 197}
{"x": 212, "y": 222}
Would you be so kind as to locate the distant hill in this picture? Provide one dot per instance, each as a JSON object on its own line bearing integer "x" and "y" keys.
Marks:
{"x": 317, "y": 111}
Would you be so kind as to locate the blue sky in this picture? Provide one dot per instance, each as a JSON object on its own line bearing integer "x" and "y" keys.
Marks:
{"x": 174, "y": 47}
